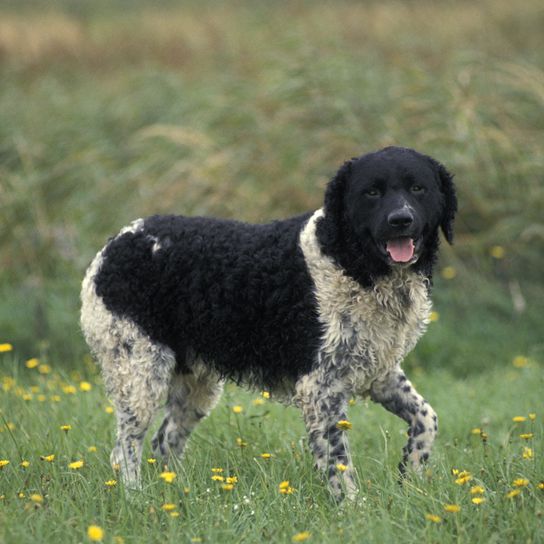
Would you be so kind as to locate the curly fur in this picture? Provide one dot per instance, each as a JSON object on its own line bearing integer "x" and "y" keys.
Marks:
{"x": 312, "y": 308}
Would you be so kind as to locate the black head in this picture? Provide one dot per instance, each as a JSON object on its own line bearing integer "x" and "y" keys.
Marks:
{"x": 384, "y": 210}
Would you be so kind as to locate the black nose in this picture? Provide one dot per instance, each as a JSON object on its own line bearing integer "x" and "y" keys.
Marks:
{"x": 400, "y": 218}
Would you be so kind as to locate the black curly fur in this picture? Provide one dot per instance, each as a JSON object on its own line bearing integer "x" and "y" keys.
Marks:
{"x": 239, "y": 296}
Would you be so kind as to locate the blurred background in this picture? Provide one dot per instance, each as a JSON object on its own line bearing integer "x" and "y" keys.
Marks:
{"x": 112, "y": 110}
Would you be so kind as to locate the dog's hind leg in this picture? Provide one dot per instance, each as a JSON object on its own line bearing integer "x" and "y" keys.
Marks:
{"x": 397, "y": 395}
{"x": 191, "y": 397}
{"x": 323, "y": 408}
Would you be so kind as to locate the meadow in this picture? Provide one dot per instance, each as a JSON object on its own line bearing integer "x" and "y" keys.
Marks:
{"x": 111, "y": 111}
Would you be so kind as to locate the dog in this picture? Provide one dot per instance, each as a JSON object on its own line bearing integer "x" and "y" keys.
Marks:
{"x": 314, "y": 309}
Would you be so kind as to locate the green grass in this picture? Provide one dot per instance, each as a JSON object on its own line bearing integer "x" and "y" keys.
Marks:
{"x": 255, "y": 511}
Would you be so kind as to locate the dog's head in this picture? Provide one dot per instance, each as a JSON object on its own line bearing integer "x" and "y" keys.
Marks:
{"x": 384, "y": 210}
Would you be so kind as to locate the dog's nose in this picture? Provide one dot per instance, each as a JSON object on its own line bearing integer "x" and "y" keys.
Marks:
{"x": 400, "y": 218}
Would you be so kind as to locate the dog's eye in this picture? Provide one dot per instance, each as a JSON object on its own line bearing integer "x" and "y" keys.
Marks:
{"x": 372, "y": 193}
{"x": 417, "y": 188}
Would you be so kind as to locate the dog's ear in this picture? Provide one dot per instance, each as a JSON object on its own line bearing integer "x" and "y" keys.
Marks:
{"x": 328, "y": 227}
{"x": 450, "y": 199}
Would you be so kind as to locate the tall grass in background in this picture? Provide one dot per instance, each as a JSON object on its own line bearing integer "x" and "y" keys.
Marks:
{"x": 110, "y": 112}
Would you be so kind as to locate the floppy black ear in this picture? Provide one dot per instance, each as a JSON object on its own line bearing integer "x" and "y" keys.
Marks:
{"x": 328, "y": 227}
{"x": 450, "y": 200}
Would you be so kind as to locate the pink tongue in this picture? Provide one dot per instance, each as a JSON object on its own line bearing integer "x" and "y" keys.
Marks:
{"x": 401, "y": 249}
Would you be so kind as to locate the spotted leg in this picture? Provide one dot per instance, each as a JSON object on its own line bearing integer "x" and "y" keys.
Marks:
{"x": 191, "y": 398}
{"x": 397, "y": 395}
{"x": 323, "y": 406}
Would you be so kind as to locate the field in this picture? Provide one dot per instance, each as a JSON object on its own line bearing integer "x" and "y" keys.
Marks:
{"x": 111, "y": 111}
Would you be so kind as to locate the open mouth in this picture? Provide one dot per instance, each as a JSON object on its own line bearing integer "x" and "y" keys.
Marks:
{"x": 401, "y": 250}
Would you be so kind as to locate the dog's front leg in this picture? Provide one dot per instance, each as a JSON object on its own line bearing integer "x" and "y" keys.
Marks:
{"x": 396, "y": 394}
{"x": 324, "y": 411}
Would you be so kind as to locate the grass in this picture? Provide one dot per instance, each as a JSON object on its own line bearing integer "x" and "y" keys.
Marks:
{"x": 34, "y": 406}
{"x": 245, "y": 109}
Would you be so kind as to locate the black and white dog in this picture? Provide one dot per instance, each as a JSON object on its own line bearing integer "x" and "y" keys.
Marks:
{"x": 315, "y": 309}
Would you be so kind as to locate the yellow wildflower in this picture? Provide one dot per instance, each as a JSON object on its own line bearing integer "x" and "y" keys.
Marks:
{"x": 344, "y": 425}
{"x": 478, "y": 500}
{"x": 44, "y": 369}
{"x": 69, "y": 389}
{"x": 168, "y": 477}
{"x": 41, "y": 398}
{"x": 434, "y": 316}
{"x": 3, "y": 463}
{"x": 85, "y": 386}
{"x": 237, "y": 409}
{"x": 513, "y": 493}
{"x": 168, "y": 507}
{"x": 110, "y": 483}
{"x": 65, "y": 428}
{"x": 532, "y": 416}
{"x": 520, "y": 482}
{"x": 95, "y": 533}
{"x": 218, "y": 478}
{"x": 265, "y": 395}
{"x": 476, "y": 430}
{"x": 520, "y": 361}
{"x": 241, "y": 443}
{"x": 4, "y": 348}
{"x": 92, "y": 449}
{"x": 526, "y": 436}
{"x": 527, "y": 453}
{"x": 540, "y": 485}
{"x": 109, "y": 409}
{"x": 285, "y": 489}
{"x": 231, "y": 479}
{"x": 151, "y": 461}
{"x": 21, "y": 495}
{"x": 217, "y": 470}
{"x": 55, "y": 398}
{"x": 477, "y": 490}
{"x": 174, "y": 514}
{"x": 497, "y": 252}
{"x": 32, "y": 363}
{"x": 462, "y": 480}
{"x": 448, "y": 272}
{"x": 227, "y": 487}
{"x": 301, "y": 537}
{"x": 340, "y": 467}
{"x": 519, "y": 419}
{"x": 257, "y": 402}
{"x": 433, "y": 517}
{"x": 76, "y": 465}
{"x": 452, "y": 508}
{"x": 48, "y": 458}
{"x": 25, "y": 464}
{"x": 36, "y": 497}
{"x": 266, "y": 455}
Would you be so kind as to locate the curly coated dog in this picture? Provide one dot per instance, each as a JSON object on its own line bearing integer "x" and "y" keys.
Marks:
{"x": 315, "y": 309}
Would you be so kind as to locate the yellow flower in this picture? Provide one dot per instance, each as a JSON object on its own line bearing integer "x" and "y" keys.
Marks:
{"x": 477, "y": 490}
{"x": 92, "y": 449}
{"x": 237, "y": 409}
{"x": 3, "y": 463}
{"x": 48, "y": 458}
{"x": 44, "y": 369}
{"x": 69, "y": 389}
{"x": 257, "y": 402}
{"x": 218, "y": 478}
{"x": 168, "y": 507}
{"x": 344, "y": 425}
{"x": 497, "y": 252}
{"x": 65, "y": 428}
{"x": 455, "y": 471}
{"x": 285, "y": 489}
{"x": 301, "y": 537}
{"x": 519, "y": 419}
{"x": 266, "y": 455}
{"x": 25, "y": 464}
{"x": 174, "y": 514}
{"x": 32, "y": 363}
{"x": 476, "y": 430}
{"x": 151, "y": 461}
{"x": 265, "y": 395}
{"x": 85, "y": 386}
{"x": 341, "y": 467}
{"x": 352, "y": 402}
{"x": 241, "y": 443}
{"x": 21, "y": 495}
{"x": 540, "y": 485}
{"x": 526, "y": 436}
{"x": 110, "y": 483}
{"x": 513, "y": 493}
{"x": 231, "y": 479}
{"x": 37, "y": 498}
{"x": 434, "y": 316}
{"x": 520, "y": 482}
{"x": 462, "y": 480}
{"x": 227, "y": 487}
{"x": 478, "y": 500}
{"x": 532, "y": 416}
{"x": 76, "y": 465}
{"x": 95, "y": 533}
{"x": 520, "y": 361}
{"x": 452, "y": 508}
{"x": 433, "y": 517}
{"x": 217, "y": 470}
{"x": 448, "y": 272}
{"x": 168, "y": 477}
{"x": 109, "y": 409}
{"x": 4, "y": 348}
{"x": 527, "y": 453}
{"x": 41, "y": 398}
